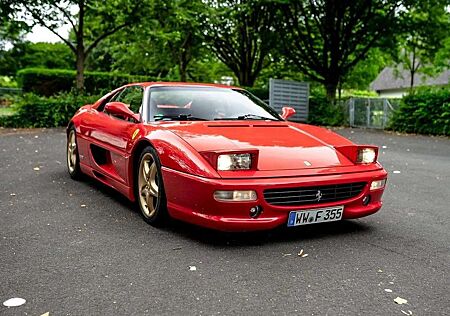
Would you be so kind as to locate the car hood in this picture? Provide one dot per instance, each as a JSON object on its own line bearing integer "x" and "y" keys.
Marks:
{"x": 281, "y": 145}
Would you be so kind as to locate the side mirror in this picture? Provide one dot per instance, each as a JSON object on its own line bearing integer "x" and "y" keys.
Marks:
{"x": 287, "y": 112}
{"x": 122, "y": 110}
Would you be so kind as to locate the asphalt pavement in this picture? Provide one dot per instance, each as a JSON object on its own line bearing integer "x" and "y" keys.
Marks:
{"x": 79, "y": 248}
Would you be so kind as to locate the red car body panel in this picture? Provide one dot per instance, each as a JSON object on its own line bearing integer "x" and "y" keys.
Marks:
{"x": 190, "y": 180}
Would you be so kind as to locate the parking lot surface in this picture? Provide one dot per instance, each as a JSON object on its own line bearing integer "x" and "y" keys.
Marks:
{"x": 79, "y": 248}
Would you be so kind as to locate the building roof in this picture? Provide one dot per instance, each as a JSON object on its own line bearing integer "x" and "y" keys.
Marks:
{"x": 392, "y": 78}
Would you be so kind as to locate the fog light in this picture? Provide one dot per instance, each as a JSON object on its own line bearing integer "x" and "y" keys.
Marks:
{"x": 255, "y": 211}
{"x": 379, "y": 184}
{"x": 235, "y": 196}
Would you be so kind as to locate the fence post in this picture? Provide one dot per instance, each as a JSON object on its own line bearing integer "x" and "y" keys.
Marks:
{"x": 384, "y": 112}
{"x": 351, "y": 114}
{"x": 368, "y": 113}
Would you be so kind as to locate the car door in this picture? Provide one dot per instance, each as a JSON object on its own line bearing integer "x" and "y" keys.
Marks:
{"x": 112, "y": 136}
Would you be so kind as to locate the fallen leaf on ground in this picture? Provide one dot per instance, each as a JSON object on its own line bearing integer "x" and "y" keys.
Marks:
{"x": 46, "y": 314}
{"x": 301, "y": 252}
{"x": 388, "y": 290}
{"x": 36, "y": 169}
{"x": 396, "y": 171}
{"x": 304, "y": 255}
{"x": 400, "y": 300}
{"x": 83, "y": 205}
{"x": 192, "y": 268}
{"x": 13, "y": 194}
{"x": 409, "y": 313}
{"x": 13, "y": 302}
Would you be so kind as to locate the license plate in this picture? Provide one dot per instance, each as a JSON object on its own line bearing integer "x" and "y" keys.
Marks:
{"x": 319, "y": 215}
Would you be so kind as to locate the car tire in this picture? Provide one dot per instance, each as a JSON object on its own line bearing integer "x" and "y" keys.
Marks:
{"x": 149, "y": 188}
{"x": 72, "y": 155}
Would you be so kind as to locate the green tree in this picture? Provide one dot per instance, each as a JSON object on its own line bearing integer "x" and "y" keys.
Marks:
{"x": 37, "y": 55}
{"x": 240, "y": 33}
{"x": 325, "y": 39}
{"x": 105, "y": 18}
{"x": 163, "y": 44}
{"x": 426, "y": 28}
{"x": 366, "y": 70}
{"x": 11, "y": 30}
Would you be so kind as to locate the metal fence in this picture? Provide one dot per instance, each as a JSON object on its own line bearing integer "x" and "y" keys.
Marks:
{"x": 290, "y": 93}
{"x": 370, "y": 112}
{"x": 10, "y": 91}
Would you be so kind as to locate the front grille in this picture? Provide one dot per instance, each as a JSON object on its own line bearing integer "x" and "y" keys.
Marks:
{"x": 310, "y": 195}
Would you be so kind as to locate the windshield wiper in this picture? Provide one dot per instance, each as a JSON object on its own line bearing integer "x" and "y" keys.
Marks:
{"x": 245, "y": 117}
{"x": 179, "y": 117}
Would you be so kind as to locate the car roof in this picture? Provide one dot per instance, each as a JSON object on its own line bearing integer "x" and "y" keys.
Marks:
{"x": 183, "y": 84}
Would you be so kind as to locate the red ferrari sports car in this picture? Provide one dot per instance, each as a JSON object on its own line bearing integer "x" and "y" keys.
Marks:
{"x": 219, "y": 157}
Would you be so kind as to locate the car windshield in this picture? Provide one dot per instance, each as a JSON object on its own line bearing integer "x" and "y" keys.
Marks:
{"x": 207, "y": 104}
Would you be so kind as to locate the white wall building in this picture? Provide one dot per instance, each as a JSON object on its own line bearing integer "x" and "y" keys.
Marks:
{"x": 395, "y": 83}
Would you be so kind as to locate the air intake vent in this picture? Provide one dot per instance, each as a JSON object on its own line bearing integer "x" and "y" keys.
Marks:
{"x": 313, "y": 195}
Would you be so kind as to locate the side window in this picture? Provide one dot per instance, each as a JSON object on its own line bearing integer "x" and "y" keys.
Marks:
{"x": 132, "y": 96}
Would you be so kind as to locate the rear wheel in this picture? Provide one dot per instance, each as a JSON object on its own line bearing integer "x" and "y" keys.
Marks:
{"x": 149, "y": 188}
{"x": 73, "y": 158}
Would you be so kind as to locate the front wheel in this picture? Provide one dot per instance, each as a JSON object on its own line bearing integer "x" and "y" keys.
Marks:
{"x": 73, "y": 158}
{"x": 149, "y": 188}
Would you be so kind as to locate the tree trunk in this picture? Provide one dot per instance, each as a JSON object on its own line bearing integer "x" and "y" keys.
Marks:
{"x": 331, "y": 91}
{"x": 245, "y": 78}
{"x": 411, "y": 83}
{"x": 80, "y": 70}
{"x": 81, "y": 55}
{"x": 183, "y": 66}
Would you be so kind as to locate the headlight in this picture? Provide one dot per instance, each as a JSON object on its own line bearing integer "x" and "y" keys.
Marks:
{"x": 234, "y": 162}
{"x": 379, "y": 184}
{"x": 235, "y": 196}
{"x": 366, "y": 155}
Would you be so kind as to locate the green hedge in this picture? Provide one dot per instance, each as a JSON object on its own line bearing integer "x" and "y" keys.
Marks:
{"x": 322, "y": 112}
{"x": 49, "y": 82}
{"x": 426, "y": 111}
{"x": 37, "y": 111}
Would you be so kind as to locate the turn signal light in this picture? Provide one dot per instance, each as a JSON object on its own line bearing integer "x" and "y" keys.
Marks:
{"x": 235, "y": 196}
{"x": 379, "y": 184}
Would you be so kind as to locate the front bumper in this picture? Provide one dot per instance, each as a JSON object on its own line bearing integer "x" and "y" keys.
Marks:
{"x": 190, "y": 198}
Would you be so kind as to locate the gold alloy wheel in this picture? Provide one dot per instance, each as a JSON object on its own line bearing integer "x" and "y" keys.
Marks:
{"x": 72, "y": 152}
{"x": 148, "y": 185}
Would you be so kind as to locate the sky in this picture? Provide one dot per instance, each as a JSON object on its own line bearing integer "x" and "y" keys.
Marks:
{"x": 41, "y": 34}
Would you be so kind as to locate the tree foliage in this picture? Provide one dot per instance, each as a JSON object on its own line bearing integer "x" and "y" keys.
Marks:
{"x": 325, "y": 39}
{"x": 338, "y": 44}
{"x": 241, "y": 34}
{"x": 423, "y": 36}
{"x": 39, "y": 55}
{"x": 105, "y": 17}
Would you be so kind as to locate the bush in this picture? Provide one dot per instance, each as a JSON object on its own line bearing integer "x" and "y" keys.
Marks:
{"x": 322, "y": 112}
{"x": 37, "y": 111}
{"x": 426, "y": 111}
{"x": 49, "y": 82}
